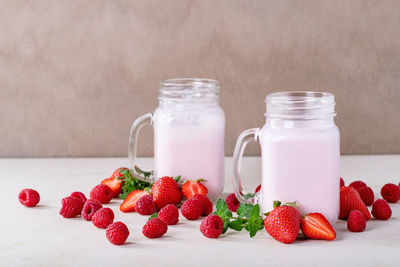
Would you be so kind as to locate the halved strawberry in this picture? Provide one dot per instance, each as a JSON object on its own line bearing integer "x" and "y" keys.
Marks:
{"x": 118, "y": 173}
{"x": 114, "y": 184}
{"x": 191, "y": 188}
{"x": 316, "y": 226}
{"x": 129, "y": 202}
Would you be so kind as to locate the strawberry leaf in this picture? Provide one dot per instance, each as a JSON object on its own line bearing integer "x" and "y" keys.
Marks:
{"x": 154, "y": 215}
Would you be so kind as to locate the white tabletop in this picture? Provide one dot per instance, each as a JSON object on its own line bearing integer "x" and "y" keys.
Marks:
{"x": 41, "y": 237}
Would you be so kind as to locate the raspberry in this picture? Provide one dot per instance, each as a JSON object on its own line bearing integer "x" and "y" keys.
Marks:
{"x": 258, "y": 188}
{"x": 154, "y": 228}
{"x": 169, "y": 214}
{"x": 103, "y": 218}
{"x": 381, "y": 210}
{"x": 232, "y": 202}
{"x": 90, "y": 208}
{"x": 341, "y": 182}
{"x": 192, "y": 209}
{"x": 207, "y": 205}
{"x": 80, "y": 196}
{"x": 117, "y": 233}
{"x": 145, "y": 205}
{"x": 367, "y": 195}
{"x": 29, "y": 197}
{"x": 356, "y": 221}
{"x": 102, "y": 193}
{"x": 71, "y": 207}
{"x": 212, "y": 226}
{"x": 391, "y": 193}
{"x": 357, "y": 184}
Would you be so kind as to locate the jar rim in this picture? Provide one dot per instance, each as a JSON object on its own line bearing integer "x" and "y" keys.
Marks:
{"x": 189, "y": 90}
{"x": 302, "y": 105}
{"x": 184, "y": 82}
{"x": 291, "y": 97}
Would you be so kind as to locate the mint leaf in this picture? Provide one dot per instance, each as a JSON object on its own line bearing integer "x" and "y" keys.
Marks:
{"x": 236, "y": 224}
{"x": 254, "y": 222}
{"x": 226, "y": 221}
{"x": 221, "y": 206}
{"x": 247, "y": 196}
{"x": 244, "y": 210}
{"x": 253, "y": 228}
{"x": 255, "y": 213}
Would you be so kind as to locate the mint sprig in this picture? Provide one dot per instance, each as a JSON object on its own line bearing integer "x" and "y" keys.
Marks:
{"x": 131, "y": 183}
{"x": 248, "y": 217}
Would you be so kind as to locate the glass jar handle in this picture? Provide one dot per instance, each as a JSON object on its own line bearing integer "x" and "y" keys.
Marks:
{"x": 244, "y": 138}
{"x": 138, "y": 124}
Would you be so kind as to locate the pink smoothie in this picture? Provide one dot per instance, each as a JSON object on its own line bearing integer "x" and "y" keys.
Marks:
{"x": 191, "y": 145}
{"x": 301, "y": 165}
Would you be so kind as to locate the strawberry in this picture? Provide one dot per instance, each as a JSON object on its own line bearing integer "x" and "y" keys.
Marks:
{"x": 341, "y": 182}
{"x": 129, "y": 202}
{"x": 351, "y": 200}
{"x": 191, "y": 188}
{"x": 166, "y": 191}
{"x": 316, "y": 226}
{"x": 114, "y": 184}
{"x": 283, "y": 223}
{"x": 117, "y": 174}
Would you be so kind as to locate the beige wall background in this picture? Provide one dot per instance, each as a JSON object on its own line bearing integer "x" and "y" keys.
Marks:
{"x": 75, "y": 74}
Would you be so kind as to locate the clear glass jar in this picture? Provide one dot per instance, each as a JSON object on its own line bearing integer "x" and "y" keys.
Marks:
{"x": 189, "y": 132}
{"x": 300, "y": 153}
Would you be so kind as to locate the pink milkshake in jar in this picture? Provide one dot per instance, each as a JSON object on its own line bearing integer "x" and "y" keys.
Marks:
{"x": 189, "y": 133}
{"x": 300, "y": 154}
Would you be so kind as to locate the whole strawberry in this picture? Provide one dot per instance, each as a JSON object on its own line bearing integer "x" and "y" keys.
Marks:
{"x": 283, "y": 223}
{"x": 166, "y": 191}
{"x": 154, "y": 228}
{"x": 351, "y": 200}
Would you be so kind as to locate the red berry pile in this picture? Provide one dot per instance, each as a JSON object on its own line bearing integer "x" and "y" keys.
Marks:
{"x": 160, "y": 200}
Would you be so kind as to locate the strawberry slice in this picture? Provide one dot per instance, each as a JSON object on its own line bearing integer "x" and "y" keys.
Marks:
{"x": 114, "y": 184}
{"x": 316, "y": 226}
{"x": 191, "y": 188}
{"x": 119, "y": 173}
{"x": 129, "y": 202}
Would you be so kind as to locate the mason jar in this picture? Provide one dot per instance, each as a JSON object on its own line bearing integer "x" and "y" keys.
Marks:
{"x": 300, "y": 154}
{"x": 189, "y": 133}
